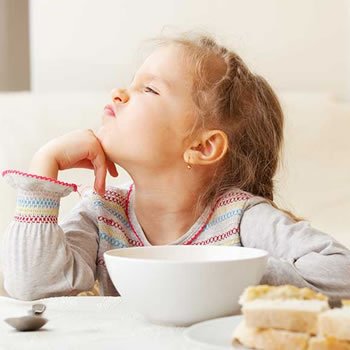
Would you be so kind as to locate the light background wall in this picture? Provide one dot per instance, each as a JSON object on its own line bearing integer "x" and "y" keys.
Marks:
{"x": 96, "y": 45}
{"x": 347, "y": 56}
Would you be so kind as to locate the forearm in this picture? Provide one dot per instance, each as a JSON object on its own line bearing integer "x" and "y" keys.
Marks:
{"x": 37, "y": 263}
{"x": 43, "y": 165}
{"x": 331, "y": 283}
{"x": 299, "y": 254}
{"x": 40, "y": 259}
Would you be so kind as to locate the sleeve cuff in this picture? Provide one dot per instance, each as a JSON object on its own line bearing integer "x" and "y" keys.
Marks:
{"x": 38, "y": 197}
{"x": 30, "y": 182}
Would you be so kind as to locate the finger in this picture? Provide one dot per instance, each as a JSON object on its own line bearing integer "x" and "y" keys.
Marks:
{"x": 112, "y": 169}
{"x": 100, "y": 180}
{"x": 99, "y": 164}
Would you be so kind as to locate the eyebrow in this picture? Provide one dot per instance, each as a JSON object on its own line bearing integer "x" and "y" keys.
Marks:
{"x": 154, "y": 77}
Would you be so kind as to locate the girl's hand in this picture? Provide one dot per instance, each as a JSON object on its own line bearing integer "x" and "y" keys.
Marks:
{"x": 77, "y": 149}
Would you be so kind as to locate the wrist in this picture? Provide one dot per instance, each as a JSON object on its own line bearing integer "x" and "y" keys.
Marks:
{"x": 44, "y": 165}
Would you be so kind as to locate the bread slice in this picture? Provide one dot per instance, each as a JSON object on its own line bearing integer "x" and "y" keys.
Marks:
{"x": 283, "y": 292}
{"x": 328, "y": 343}
{"x": 270, "y": 339}
{"x": 335, "y": 323}
{"x": 291, "y": 315}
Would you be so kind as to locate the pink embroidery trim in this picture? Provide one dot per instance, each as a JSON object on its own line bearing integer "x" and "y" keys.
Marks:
{"x": 217, "y": 204}
{"x": 111, "y": 222}
{"x": 234, "y": 198}
{"x": 127, "y": 214}
{"x": 36, "y": 219}
{"x": 100, "y": 261}
{"x": 219, "y": 237}
{"x": 114, "y": 196}
{"x": 74, "y": 186}
{"x": 194, "y": 237}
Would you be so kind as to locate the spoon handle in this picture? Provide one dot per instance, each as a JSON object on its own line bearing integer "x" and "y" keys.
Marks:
{"x": 38, "y": 308}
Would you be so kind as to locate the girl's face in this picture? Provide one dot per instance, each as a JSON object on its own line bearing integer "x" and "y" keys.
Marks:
{"x": 152, "y": 116}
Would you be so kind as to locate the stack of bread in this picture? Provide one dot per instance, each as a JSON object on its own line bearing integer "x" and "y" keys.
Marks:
{"x": 290, "y": 318}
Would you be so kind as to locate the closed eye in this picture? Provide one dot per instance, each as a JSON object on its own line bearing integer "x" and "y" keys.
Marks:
{"x": 148, "y": 89}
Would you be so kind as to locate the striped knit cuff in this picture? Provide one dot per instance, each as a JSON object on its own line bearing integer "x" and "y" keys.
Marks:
{"x": 37, "y": 207}
{"x": 38, "y": 197}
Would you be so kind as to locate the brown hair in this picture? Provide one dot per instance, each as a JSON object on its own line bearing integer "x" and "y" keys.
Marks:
{"x": 228, "y": 95}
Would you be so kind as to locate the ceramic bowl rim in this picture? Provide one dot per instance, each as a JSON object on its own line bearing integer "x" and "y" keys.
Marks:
{"x": 259, "y": 254}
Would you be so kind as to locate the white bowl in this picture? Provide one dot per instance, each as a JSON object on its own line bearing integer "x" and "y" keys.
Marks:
{"x": 180, "y": 285}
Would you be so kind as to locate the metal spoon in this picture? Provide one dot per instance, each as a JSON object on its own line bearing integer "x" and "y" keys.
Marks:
{"x": 37, "y": 309}
{"x": 29, "y": 323}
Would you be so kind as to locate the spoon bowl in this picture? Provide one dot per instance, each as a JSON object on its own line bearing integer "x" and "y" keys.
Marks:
{"x": 29, "y": 323}
{"x": 26, "y": 323}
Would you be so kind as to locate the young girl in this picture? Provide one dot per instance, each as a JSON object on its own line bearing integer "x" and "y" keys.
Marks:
{"x": 200, "y": 136}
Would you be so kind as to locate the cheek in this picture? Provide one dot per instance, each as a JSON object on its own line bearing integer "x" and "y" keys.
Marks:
{"x": 142, "y": 130}
{"x": 144, "y": 122}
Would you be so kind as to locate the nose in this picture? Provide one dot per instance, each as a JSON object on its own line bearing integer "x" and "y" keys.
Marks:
{"x": 119, "y": 95}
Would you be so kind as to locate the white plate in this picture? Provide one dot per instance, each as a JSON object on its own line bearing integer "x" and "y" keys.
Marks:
{"x": 214, "y": 334}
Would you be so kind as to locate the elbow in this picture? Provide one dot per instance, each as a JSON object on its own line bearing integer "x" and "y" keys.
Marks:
{"x": 337, "y": 281}
{"x": 24, "y": 284}
{"x": 30, "y": 290}
{"x": 22, "y": 291}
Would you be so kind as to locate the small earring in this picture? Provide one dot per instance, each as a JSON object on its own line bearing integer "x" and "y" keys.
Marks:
{"x": 189, "y": 166}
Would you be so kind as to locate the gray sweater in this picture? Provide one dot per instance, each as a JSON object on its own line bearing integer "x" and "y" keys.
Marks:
{"x": 43, "y": 257}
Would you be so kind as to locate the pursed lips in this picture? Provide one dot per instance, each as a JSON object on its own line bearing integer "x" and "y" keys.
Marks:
{"x": 109, "y": 110}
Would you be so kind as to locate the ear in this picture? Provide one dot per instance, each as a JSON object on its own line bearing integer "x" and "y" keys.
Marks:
{"x": 209, "y": 147}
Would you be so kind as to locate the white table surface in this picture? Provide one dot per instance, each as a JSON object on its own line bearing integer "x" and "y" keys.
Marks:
{"x": 87, "y": 322}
